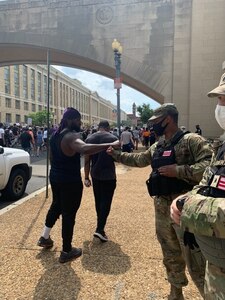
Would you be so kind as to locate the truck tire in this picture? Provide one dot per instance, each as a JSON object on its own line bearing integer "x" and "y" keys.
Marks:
{"x": 16, "y": 185}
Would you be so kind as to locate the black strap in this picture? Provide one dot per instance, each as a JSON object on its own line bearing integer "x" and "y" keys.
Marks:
{"x": 220, "y": 154}
{"x": 178, "y": 136}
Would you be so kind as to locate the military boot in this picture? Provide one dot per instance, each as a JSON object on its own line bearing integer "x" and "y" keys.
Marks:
{"x": 175, "y": 293}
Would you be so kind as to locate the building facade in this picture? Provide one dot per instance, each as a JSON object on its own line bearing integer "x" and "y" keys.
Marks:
{"x": 24, "y": 90}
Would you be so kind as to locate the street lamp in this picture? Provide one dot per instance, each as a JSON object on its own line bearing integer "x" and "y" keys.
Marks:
{"x": 117, "y": 48}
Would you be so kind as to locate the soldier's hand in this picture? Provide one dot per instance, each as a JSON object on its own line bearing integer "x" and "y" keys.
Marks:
{"x": 110, "y": 150}
{"x": 174, "y": 212}
{"x": 168, "y": 171}
{"x": 190, "y": 241}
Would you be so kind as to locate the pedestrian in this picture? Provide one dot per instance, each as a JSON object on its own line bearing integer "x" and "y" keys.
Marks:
{"x": 146, "y": 136}
{"x": 178, "y": 161}
{"x": 152, "y": 137}
{"x": 126, "y": 140}
{"x": 198, "y": 129}
{"x": 26, "y": 140}
{"x": 2, "y": 135}
{"x": 103, "y": 177}
{"x": 39, "y": 142}
{"x": 65, "y": 180}
{"x": 203, "y": 212}
{"x": 136, "y": 136}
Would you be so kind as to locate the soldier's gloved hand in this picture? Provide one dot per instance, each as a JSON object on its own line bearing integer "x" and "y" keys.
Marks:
{"x": 190, "y": 241}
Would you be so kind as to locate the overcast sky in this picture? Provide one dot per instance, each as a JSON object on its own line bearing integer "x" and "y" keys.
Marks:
{"x": 105, "y": 88}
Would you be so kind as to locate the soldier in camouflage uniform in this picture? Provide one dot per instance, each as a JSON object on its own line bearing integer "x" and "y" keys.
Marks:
{"x": 204, "y": 211}
{"x": 178, "y": 161}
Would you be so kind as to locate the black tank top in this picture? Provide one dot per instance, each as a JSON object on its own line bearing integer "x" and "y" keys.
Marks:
{"x": 63, "y": 168}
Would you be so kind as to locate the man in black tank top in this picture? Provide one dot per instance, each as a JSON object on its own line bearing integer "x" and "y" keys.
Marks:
{"x": 66, "y": 182}
{"x": 103, "y": 177}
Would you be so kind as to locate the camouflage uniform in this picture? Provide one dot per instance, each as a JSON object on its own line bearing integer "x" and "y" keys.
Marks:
{"x": 204, "y": 216}
{"x": 192, "y": 156}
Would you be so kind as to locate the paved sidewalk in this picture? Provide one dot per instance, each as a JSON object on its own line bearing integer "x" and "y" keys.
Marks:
{"x": 128, "y": 267}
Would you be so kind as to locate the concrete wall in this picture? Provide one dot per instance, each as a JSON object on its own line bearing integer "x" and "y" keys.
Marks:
{"x": 173, "y": 49}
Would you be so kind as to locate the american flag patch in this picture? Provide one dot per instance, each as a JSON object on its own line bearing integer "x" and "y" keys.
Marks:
{"x": 167, "y": 153}
{"x": 221, "y": 183}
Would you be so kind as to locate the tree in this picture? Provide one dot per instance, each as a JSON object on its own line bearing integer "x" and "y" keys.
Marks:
{"x": 40, "y": 118}
{"x": 145, "y": 112}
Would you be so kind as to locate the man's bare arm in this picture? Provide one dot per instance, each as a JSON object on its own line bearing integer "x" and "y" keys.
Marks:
{"x": 71, "y": 144}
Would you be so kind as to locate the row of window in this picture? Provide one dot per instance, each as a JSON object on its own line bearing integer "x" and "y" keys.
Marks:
{"x": 9, "y": 103}
{"x": 25, "y": 83}
{"x": 9, "y": 120}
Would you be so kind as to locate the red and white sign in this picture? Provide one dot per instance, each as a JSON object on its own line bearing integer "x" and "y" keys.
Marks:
{"x": 117, "y": 83}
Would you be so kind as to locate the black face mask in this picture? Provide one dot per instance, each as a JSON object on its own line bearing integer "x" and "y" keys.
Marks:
{"x": 158, "y": 128}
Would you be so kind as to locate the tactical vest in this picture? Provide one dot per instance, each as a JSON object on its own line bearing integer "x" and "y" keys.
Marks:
{"x": 159, "y": 185}
{"x": 216, "y": 183}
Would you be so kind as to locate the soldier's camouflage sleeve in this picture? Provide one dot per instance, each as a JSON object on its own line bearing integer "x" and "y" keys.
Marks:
{"x": 205, "y": 178}
{"x": 142, "y": 159}
{"x": 193, "y": 155}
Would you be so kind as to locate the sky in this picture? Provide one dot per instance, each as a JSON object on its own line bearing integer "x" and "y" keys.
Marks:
{"x": 105, "y": 88}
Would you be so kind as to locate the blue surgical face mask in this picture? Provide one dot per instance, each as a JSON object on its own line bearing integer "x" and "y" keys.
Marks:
{"x": 158, "y": 128}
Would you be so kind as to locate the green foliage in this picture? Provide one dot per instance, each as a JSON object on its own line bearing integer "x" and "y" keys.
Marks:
{"x": 125, "y": 123}
{"x": 40, "y": 118}
{"x": 145, "y": 112}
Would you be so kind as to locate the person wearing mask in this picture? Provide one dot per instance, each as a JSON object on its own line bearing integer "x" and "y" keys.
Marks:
{"x": 177, "y": 161}
{"x": 203, "y": 212}
{"x": 103, "y": 177}
{"x": 66, "y": 182}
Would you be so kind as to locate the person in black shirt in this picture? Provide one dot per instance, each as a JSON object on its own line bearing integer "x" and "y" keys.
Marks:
{"x": 25, "y": 140}
{"x": 65, "y": 180}
{"x": 103, "y": 177}
{"x": 198, "y": 130}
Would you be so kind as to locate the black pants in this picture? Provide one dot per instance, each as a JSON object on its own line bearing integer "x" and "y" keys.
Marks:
{"x": 103, "y": 192}
{"x": 66, "y": 202}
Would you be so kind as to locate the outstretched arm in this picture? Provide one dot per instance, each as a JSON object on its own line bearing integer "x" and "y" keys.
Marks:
{"x": 72, "y": 144}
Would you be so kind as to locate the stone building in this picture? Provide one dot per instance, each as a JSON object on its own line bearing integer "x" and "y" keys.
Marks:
{"x": 24, "y": 90}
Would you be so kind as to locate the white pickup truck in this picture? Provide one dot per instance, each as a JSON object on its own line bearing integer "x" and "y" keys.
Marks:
{"x": 15, "y": 171}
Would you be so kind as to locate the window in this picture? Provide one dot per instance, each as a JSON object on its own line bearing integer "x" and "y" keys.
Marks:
{"x": 39, "y": 87}
{"x": 17, "y": 104}
{"x": 18, "y": 118}
{"x": 8, "y": 102}
{"x": 26, "y": 119}
{"x": 8, "y": 118}
{"x": 7, "y": 79}
{"x": 32, "y": 84}
{"x": 33, "y": 108}
{"x": 25, "y": 93}
{"x": 16, "y": 81}
{"x": 26, "y": 106}
{"x": 40, "y": 107}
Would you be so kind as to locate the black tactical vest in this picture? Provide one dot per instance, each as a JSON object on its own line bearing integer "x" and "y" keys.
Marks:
{"x": 159, "y": 185}
{"x": 216, "y": 183}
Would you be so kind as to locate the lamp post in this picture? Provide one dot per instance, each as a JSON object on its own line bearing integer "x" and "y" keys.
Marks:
{"x": 117, "y": 48}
